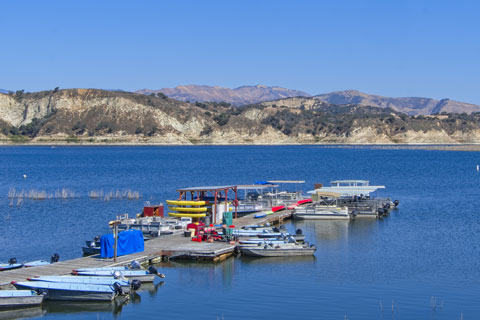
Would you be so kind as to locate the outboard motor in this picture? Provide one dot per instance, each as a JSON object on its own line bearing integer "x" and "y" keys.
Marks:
{"x": 117, "y": 274}
{"x": 298, "y": 232}
{"x": 135, "y": 285}
{"x": 152, "y": 270}
{"x": 135, "y": 265}
{"x": 12, "y": 260}
{"x": 117, "y": 288}
{"x": 275, "y": 229}
{"x": 54, "y": 258}
{"x": 96, "y": 239}
{"x": 396, "y": 202}
{"x": 381, "y": 212}
{"x": 354, "y": 213}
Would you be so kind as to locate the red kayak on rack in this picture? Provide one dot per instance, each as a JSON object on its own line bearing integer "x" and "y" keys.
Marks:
{"x": 278, "y": 208}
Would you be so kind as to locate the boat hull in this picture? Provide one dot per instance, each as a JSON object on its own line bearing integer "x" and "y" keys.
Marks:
{"x": 75, "y": 293}
{"x": 261, "y": 252}
{"x": 20, "y": 298}
{"x": 320, "y": 216}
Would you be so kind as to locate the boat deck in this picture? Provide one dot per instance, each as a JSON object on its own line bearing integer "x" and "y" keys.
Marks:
{"x": 156, "y": 250}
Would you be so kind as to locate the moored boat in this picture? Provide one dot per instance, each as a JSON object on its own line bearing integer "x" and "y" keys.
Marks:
{"x": 71, "y": 291}
{"x": 12, "y": 264}
{"x": 319, "y": 213}
{"x": 20, "y": 298}
{"x": 37, "y": 263}
{"x": 126, "y": 285}
{"x": 141, "y": 275}
{"x": 278, "y": 250}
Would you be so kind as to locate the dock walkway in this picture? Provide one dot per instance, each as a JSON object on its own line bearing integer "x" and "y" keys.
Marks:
{"x": 155, "y": 250}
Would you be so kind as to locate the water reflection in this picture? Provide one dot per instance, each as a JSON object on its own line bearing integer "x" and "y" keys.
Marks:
{"x": 277, "y": 260}
{"x": 115, "y": 306}
{"x": 23, "y": 313}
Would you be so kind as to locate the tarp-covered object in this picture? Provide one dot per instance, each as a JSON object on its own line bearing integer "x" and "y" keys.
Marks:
{"x": 129, "y": 241}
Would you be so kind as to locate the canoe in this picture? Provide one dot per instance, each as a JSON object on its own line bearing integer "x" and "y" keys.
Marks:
{"x": 185, "y": 209}
{"x": 6, "y": 266}
{"x": 20, "y": 298}
{"x": 185, "y": 203}
{"x": 69, "y": 291}
{"x": 188, "y": 215}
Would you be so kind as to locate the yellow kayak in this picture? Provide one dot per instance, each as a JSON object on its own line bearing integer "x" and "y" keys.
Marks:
{"x": 190, "y": 215}
{"x": 185, "y": 203}
{"x": 186, "y": 209}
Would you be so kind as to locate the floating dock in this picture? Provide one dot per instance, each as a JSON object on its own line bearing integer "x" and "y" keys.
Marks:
{"x": 156, "y": 250}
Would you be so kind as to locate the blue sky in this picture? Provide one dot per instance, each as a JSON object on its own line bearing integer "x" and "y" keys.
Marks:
{"x": 391, "y": 48}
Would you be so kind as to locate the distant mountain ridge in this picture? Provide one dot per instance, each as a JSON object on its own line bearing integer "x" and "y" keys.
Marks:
{"x": 264, "y": 94}
{"x": 408, "y": 105}
{"x": 238, "y": 96}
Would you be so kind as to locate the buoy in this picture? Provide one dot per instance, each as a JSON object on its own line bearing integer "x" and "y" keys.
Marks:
{"x": 478, "y": 167}
{"x": 25, "y": 176}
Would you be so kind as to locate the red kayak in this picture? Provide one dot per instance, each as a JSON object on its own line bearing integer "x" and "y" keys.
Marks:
{"x": 278, "y": 208}
{"x": 304, "y": 201}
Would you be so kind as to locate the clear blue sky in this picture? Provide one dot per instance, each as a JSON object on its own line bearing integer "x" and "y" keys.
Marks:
{"x": 391, "y": 48}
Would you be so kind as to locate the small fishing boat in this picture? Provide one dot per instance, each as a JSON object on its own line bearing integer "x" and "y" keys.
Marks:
{"x": 134, "y": 265}
{"x": 71, "y": 291}
{"x": 126, "y": 285}
{"x": 279, "y": 250}
{"x": 88, "y": 251}
{"x": 54, "y": 258}
{"x": 12, "y": 264}
{"x": 141, "y": 275}
{"x": 20, "y": 298}
{"x": 319, "y": 213}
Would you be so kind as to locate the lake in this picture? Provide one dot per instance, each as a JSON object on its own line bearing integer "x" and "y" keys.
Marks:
{"x": 421, "y": 262}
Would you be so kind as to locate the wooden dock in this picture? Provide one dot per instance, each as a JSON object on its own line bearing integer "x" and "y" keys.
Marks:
{"x": 156, "y": 250}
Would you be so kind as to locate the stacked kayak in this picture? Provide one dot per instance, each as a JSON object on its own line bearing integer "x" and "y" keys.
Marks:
{"x": 191, "y": 209}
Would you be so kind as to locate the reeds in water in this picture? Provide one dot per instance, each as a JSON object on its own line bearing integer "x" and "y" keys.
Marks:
{"x": 115, "y": 195}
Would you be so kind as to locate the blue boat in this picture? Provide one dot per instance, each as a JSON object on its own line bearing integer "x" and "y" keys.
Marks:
{"x": 20, "y": 298}
{"x": 12, "y": 264}
{"x": 71, "y": 291}
{"x": 141, "y": 275}
{"x": 126, "y": 285}
{"x": 54, "y": 258}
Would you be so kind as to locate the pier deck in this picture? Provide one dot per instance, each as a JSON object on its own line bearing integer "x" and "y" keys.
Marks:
{"x": 155, "y": 250}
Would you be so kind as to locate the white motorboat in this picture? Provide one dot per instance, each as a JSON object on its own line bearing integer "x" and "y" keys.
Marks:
{"x": 290, "y": 249}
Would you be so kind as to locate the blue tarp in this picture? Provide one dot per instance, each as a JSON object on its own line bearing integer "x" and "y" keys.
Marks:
{"x": 129, "y": 241}
{"x": 263, "y": 182}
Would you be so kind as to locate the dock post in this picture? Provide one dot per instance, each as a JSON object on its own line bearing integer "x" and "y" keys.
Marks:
{"x": 115, "y": 238}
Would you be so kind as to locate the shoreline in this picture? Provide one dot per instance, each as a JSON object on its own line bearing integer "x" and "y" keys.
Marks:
{"x": 380, "y": 146}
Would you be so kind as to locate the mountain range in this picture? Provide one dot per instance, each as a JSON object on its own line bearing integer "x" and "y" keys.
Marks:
{"x": 93, "y": 116}
{"x": 238, "y": 96}
{"x": 261, "y": 93}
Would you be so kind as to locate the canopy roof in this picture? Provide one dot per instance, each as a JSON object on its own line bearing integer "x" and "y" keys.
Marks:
{"x": 286, "y": 181}
{"x": 255, "y": 186}
{"x": 349, "y": 190}
{"x": 208, "y": 188}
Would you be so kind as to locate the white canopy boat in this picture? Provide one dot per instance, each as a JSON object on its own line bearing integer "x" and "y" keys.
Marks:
{"x": 20, "y": 298}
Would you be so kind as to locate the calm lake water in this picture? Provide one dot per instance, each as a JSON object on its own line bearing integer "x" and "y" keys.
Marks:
{"x": 422, "y": 262}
